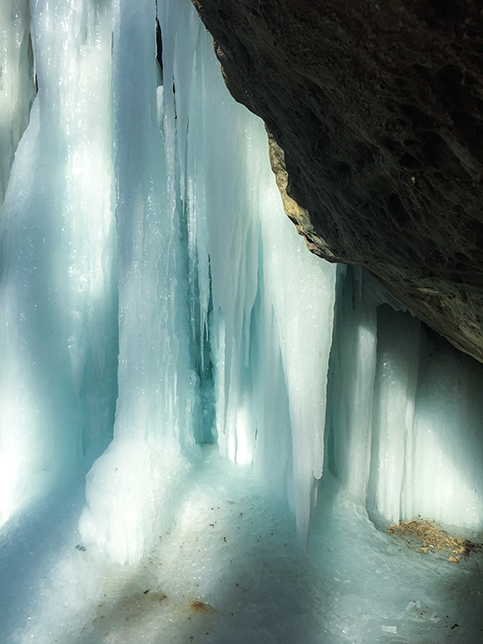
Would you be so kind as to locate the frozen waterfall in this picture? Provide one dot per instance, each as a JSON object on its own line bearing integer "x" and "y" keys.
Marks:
{"x": 205, "y": 431}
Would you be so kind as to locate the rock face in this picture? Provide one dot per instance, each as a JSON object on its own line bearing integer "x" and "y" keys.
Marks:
{"x": 375, "y": 114}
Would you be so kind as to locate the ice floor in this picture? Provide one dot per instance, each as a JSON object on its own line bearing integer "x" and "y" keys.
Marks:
{"x": 231, "y": 570}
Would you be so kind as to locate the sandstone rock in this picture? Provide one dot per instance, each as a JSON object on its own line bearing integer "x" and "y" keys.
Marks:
{"x": 375, "y": 113}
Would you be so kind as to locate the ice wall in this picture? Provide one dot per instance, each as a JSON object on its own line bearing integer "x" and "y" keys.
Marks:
{"x": 192, "y": 316}
{"x": 153, "y": 292}
{"x": 405, "y": 417}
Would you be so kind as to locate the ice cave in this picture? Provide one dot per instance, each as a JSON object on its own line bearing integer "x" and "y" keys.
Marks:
{"x": 207, "y": 434}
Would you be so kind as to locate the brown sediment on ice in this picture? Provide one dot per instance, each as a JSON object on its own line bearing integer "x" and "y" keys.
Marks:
{"x": 428, "y": 536}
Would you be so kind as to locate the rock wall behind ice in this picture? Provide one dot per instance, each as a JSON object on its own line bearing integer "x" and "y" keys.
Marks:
{"x": 377, "y": 109}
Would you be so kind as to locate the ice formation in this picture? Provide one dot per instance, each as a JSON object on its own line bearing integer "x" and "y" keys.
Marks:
{"x": 184, "y": 388}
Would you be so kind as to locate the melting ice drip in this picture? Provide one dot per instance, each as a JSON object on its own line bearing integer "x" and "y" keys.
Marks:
{"x": 154, "y": 298}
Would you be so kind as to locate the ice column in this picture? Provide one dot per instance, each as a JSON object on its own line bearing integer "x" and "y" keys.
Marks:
{"x": 57, "y": 290}
{"x": 351, "y": 384}
{"x": 446, "y": 480}
{"x": 131, "y": 486}
{"x": 396, "y": 382}
{"x": 404, "y": 412}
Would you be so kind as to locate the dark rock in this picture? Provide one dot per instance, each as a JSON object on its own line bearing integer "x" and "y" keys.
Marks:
{"x": 376, "y": 114}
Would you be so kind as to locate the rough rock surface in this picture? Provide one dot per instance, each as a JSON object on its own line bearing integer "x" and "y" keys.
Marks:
{"x": 376, "y": 114}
